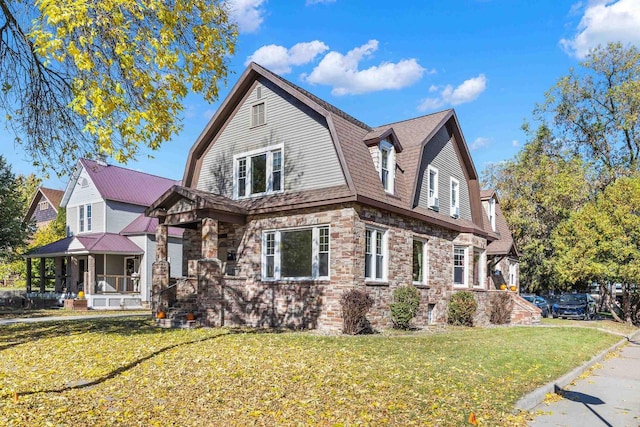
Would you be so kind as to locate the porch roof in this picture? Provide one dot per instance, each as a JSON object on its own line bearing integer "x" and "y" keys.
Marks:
{"x": 180, "y": 206}
{"x": 96, "y": 243}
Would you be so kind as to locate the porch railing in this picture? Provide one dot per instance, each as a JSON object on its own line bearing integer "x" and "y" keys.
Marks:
{"x": 114, "y": 283}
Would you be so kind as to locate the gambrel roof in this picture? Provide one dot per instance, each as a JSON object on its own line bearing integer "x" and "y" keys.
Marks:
{"x": 352, "y": 138}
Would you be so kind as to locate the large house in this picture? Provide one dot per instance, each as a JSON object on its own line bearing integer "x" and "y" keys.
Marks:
{"x": 110, "y": 243}
{"x": 287, "y": 202}
{"x": 44, "y": 206}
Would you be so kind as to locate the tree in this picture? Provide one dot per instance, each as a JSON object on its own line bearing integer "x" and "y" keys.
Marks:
{"x": 601, "y": 241}
{"x": 538, "y": 190}
{"x": 14, "y": 229}
{"x": 83, "y": 78}
{"x": 596, "y": 111}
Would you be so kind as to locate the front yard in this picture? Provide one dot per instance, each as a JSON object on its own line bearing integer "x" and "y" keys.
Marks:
{"x": 126, "y": 372}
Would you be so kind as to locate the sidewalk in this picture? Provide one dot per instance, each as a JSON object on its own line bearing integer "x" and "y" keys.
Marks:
{"x": 12, "y": 321}
{"x": 610, "y": 396}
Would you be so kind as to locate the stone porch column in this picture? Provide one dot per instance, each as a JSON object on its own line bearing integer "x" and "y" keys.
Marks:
{"x": 91, "y": 273}
{"x": 161, "y": 243}
{"x": 43, "y": 262}
{"x": 209, "y": 238}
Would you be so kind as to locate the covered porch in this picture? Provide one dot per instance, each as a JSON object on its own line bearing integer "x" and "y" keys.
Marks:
{"x": 106, "y": 267}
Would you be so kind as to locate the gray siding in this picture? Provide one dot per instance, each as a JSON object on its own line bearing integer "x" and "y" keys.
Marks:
{"x": 440, "y": 153}
{"x": 119, "y": 215}
{"x": 310, "y": 159}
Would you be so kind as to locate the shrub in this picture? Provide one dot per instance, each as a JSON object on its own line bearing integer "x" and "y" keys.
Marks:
{"x": 462, "y": 307}
{"x": 355, "y": 305}
{"x": 404, "y": 307}
{"x": 501, "y": 308}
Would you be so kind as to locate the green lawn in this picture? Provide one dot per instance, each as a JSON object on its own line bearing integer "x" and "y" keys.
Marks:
{"x": 126, "y": 372}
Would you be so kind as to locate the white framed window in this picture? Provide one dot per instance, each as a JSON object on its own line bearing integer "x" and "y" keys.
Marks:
{"x": 455, "y": 198}
{"x": 375, "y": 261}
{"x": 420, "y": 269}
{"x": 43, "y": 206}
{"x": 479, "y": 262}
{"x": 84, "y": 218}
{"x": 512, "y": 273}
{"x": 387, "y": 164}
{"x": 434, "y": 202}
{"x": 258, "y": 115}
{"x": 298, "y": 253}
{"x": 460, "y": 266}
{"x": 259, "y": 172}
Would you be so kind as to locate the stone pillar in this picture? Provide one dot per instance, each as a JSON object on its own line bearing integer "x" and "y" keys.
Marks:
{"x": 211, "y": 298}
{"x": 209, "y": 238}
{"x": 161, "y": 243}
{"x": 59, "y": 276}
{"x": 160, "y": 296}
{"x": 42, "y": 274}
{"x": 90, "y": 283}
{"x": 29, "y": 272}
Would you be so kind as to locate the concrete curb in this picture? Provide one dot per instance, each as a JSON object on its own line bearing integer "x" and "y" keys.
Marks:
{"x": 531, "y": 400}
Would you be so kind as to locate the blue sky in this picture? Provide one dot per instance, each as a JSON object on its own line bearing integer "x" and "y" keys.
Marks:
{"x": 382, "y": 62}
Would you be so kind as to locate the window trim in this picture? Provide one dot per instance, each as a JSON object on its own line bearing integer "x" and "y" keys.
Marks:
{"x": 425, "y": 261}
{"x": 465, "y": 266}
{"x": 277, "y": 260}
{"x": 431, "y": 199}
{"x": 386, "y": 146}
{"x": 384, "y": 254}
{"x": 85, "y": 215}
{"x": 454, "y": 208}
{"x": 482, "y": 262}
{"x": 264, "y": 113}
{"x": 248, "y": 173}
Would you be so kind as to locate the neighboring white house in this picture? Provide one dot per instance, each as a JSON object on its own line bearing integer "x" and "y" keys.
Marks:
{"x": 110, "y": 244}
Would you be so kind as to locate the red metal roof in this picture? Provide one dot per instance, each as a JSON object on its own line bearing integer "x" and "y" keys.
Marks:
{"x": 146, "y": 225}
{"x": 125, "y": 185}
{"x": 96, "y": 243}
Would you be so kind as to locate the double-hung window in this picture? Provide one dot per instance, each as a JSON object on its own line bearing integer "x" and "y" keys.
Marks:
{"x": 259, "y": 172}
{"x": 433, "y": 188}
{"x": 387, "y": 165}
{"x": 419, "y": 273}
{"x": 300, "y": 253}
{"x": 84, "y": 218}
{"x": 375, "y": 267}
{"x": 460, "y": 266}
{"x": 455, "y": 198}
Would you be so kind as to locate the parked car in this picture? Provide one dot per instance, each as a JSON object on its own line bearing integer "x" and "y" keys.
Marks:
{"x": 539, "y": 302}
{"x": 580, "y": 306}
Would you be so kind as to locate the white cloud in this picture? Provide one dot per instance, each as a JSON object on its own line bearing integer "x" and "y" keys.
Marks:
{"x": 603, "y": 22}
{"x": 479, "y": 142}
{"x": 341, "y": 72}
{"x": 515, "y": 143}
{"x": 469, "y": 90}
{"x": 248, "y": 14}
{"x": 311, "y": 2}
{"x": 279, "y": 59}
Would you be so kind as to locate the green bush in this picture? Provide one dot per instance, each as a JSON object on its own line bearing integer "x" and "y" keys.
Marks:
{"x": 462, "y": 307}
{"x": 355, "y": 305}
{"x": 404, "y": 307}
{"x": 501, "y": 308}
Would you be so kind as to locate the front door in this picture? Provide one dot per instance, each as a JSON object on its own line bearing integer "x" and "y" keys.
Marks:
{"x": 132, "y": 276}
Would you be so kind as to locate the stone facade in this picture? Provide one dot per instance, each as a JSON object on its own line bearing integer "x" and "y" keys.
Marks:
{"x": 231, "y": 290}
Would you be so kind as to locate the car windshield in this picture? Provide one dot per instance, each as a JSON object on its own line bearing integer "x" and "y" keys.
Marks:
{"x": 528, "y": 297}
{"x": 573, "y": 299}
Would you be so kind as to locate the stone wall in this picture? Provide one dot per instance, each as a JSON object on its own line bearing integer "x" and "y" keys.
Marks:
{"x": 245, "y": 299}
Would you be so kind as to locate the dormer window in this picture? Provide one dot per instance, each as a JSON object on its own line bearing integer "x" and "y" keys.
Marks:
{"x": 259, "y": 172}
{"x": 387, "y": 165}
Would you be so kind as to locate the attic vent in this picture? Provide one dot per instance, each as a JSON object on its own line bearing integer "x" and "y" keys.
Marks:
{"x": 259, "y": 92}
{"x": 84, "y": 183}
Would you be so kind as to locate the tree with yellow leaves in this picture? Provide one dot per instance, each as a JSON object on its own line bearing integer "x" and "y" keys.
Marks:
{"x": 83, "y": 77}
